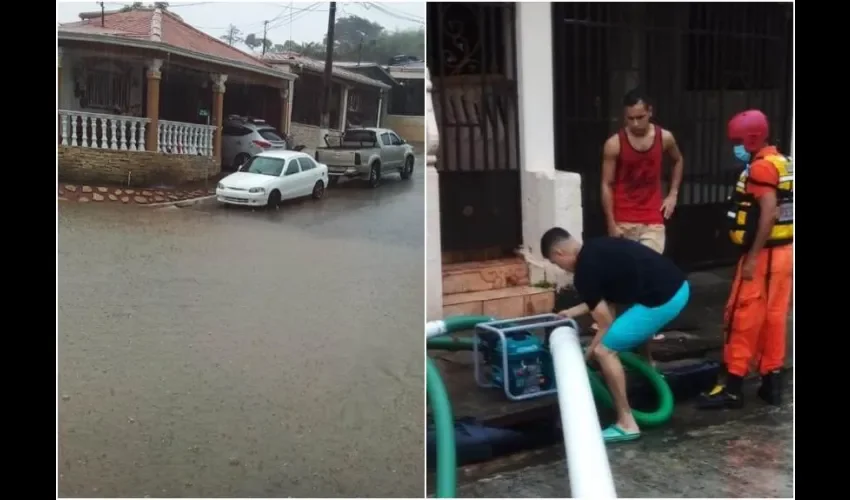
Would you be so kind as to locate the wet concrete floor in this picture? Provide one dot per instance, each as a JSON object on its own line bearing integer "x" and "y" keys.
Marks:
{"x": 211, "y": 352}
{"x": 728, "y": 454}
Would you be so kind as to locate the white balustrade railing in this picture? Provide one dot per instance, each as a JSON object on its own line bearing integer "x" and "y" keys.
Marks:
{"x": 185, "y": 138}
{"x": 96, "y": 130}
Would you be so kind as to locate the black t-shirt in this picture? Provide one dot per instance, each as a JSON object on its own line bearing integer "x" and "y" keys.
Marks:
{"x": 622, "y": 271}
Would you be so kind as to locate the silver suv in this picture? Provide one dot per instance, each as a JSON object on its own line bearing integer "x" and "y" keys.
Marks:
{"x": 243, "y": 137}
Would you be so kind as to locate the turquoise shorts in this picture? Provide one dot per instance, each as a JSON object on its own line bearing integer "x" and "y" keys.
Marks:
{"x": 638, "y": 324}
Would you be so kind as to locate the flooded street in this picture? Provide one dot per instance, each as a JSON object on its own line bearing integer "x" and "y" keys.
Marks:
{"x": 213, "y": 352}
{"x": 745, "y": 453}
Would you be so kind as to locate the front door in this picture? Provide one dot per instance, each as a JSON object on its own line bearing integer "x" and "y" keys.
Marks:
{"x": 471, "y": 56}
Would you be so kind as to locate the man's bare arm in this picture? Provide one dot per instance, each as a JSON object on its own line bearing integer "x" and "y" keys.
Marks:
{"x": 609, "y": 165}
{"x": 604, "y": 318}
{"x": 575, "y": 311}
{"x": 672, "y": 149}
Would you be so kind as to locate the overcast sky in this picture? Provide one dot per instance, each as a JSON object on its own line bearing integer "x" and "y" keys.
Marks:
{"x": 302, "y": 21}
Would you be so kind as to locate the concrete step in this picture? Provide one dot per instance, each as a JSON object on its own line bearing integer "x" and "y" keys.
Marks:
{"x": 512, "y": 302}
{"x": 485, "y": 275}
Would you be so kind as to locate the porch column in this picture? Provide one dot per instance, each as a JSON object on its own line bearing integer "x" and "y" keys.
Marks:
{"x": 549, "y": 198}
{"x": 380, "y": 108}
{"x": 154, "y": 77}
{"x": 218, "y": 88}
{"x": 291, "y": 93}
{"x": 284, "y": 110}
{"x": 343, "y": 108}
{"x": 433, "y": 247}
{"x": 59, "y": 92}
{"x": 59, "y": 77}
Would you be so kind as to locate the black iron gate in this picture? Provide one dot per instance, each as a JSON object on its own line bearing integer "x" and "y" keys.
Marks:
{"x": 700, "y": 63}
{"x": 471, "y": 59}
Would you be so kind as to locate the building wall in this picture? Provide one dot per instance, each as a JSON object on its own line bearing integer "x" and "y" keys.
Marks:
{"x": 411, "y": 128}
{"x": 307, "y": 135}
{"x": 433, "y": 252}
{"x": 132, "y": 168}
{"x": 549, "y": 197}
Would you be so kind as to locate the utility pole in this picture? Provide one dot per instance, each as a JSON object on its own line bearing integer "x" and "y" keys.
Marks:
{"x": 102, "y": 15}
{"x": 325, "y": 105}
{"x": 265, "y": 31}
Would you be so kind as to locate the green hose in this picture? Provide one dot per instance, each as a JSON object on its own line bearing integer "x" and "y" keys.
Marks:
{"x": 649, "y": 419}
{"x": 441, "y": 407}
{"x": 662, "y": 414}
{"x": 444, "y": 426}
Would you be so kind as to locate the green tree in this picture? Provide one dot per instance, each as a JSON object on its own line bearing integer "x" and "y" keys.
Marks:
{"x": 233, "y": 35}
{"x": 253, "y": 42}
{"x": 356, "y": 39}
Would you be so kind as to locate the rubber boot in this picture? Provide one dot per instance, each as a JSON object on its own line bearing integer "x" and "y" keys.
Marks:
{"x": 723, "y": 396}
{"x": 770, "y": 390}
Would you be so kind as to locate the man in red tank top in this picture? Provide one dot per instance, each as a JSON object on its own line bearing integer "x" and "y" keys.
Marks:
{"x": 632, "y": 198}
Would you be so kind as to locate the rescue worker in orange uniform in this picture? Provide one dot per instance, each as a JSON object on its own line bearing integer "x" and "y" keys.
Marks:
{"x": 762, "y": 224}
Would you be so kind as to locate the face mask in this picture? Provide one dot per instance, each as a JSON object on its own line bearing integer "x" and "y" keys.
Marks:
{"x": 741, "y": 154}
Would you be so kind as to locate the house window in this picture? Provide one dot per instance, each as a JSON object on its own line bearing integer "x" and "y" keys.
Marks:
{"x": 353, "y": 102}
{"x": 107, "y": 90}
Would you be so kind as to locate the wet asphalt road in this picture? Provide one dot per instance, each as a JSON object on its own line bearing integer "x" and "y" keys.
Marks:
{"x": 210, "y": 352}
{"x": 729, "y": 454}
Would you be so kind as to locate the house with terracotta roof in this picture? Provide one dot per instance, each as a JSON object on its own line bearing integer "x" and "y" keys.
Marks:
{"x": 142, "y": 96}
{"x": 356, "y": 99}
{"x": 405, "y": 109}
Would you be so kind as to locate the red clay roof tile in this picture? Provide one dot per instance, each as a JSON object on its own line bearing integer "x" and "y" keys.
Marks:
{"x": 138, "y": 24}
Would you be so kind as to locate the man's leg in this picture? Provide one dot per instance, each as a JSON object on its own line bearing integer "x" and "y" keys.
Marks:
{"x": 775, "y": 328}
{"x": 745, "y": 313}
{"x": 631, "y": 329}
{"x": 615, "y": 377}
{"x": 653, "y": 236}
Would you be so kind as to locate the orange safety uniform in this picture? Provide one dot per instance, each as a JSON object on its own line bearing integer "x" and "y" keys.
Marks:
{"x": 757, "y": 310}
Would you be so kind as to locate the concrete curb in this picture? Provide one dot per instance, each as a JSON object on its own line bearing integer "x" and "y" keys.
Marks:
{"x": 180, "y": 204}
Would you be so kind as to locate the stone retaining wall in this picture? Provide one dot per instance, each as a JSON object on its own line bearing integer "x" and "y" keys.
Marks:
{"x": 132, "y": 168}
{"x": 309, "y": 135}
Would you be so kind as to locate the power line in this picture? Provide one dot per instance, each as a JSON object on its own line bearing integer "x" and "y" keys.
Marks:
{"x": 387, "y": 7}
{"x": 380, "y": 8}
{"x": 171, "y": 7}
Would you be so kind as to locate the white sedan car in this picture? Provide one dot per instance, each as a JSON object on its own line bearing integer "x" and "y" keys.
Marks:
{"x": 274, "y": 176}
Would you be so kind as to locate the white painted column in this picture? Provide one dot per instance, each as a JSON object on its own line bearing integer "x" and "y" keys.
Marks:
{"x": 433, "y": 248}
{"x": 534, "y": 80}
{"x": 549, "y": 198}
{"x": 291, "y": 93}
{"x": 380, "y": 108}
{"x": 343, "y": 108}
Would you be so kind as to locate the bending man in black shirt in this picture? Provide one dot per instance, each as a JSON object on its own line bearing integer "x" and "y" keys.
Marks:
{"x": 617, "y": 270}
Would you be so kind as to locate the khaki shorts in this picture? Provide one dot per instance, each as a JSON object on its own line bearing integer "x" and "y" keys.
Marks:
{"x": 651, "y": 235}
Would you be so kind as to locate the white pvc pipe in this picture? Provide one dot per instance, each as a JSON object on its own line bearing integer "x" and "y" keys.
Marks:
{"x": 435, "y": 329}
{"x": 587, "y": 458}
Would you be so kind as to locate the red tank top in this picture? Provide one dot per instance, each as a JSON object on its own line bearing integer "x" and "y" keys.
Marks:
{"x": 637, "y": 182}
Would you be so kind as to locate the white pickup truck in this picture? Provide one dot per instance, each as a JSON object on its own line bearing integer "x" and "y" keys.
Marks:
{"x": 368, "y": 153}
